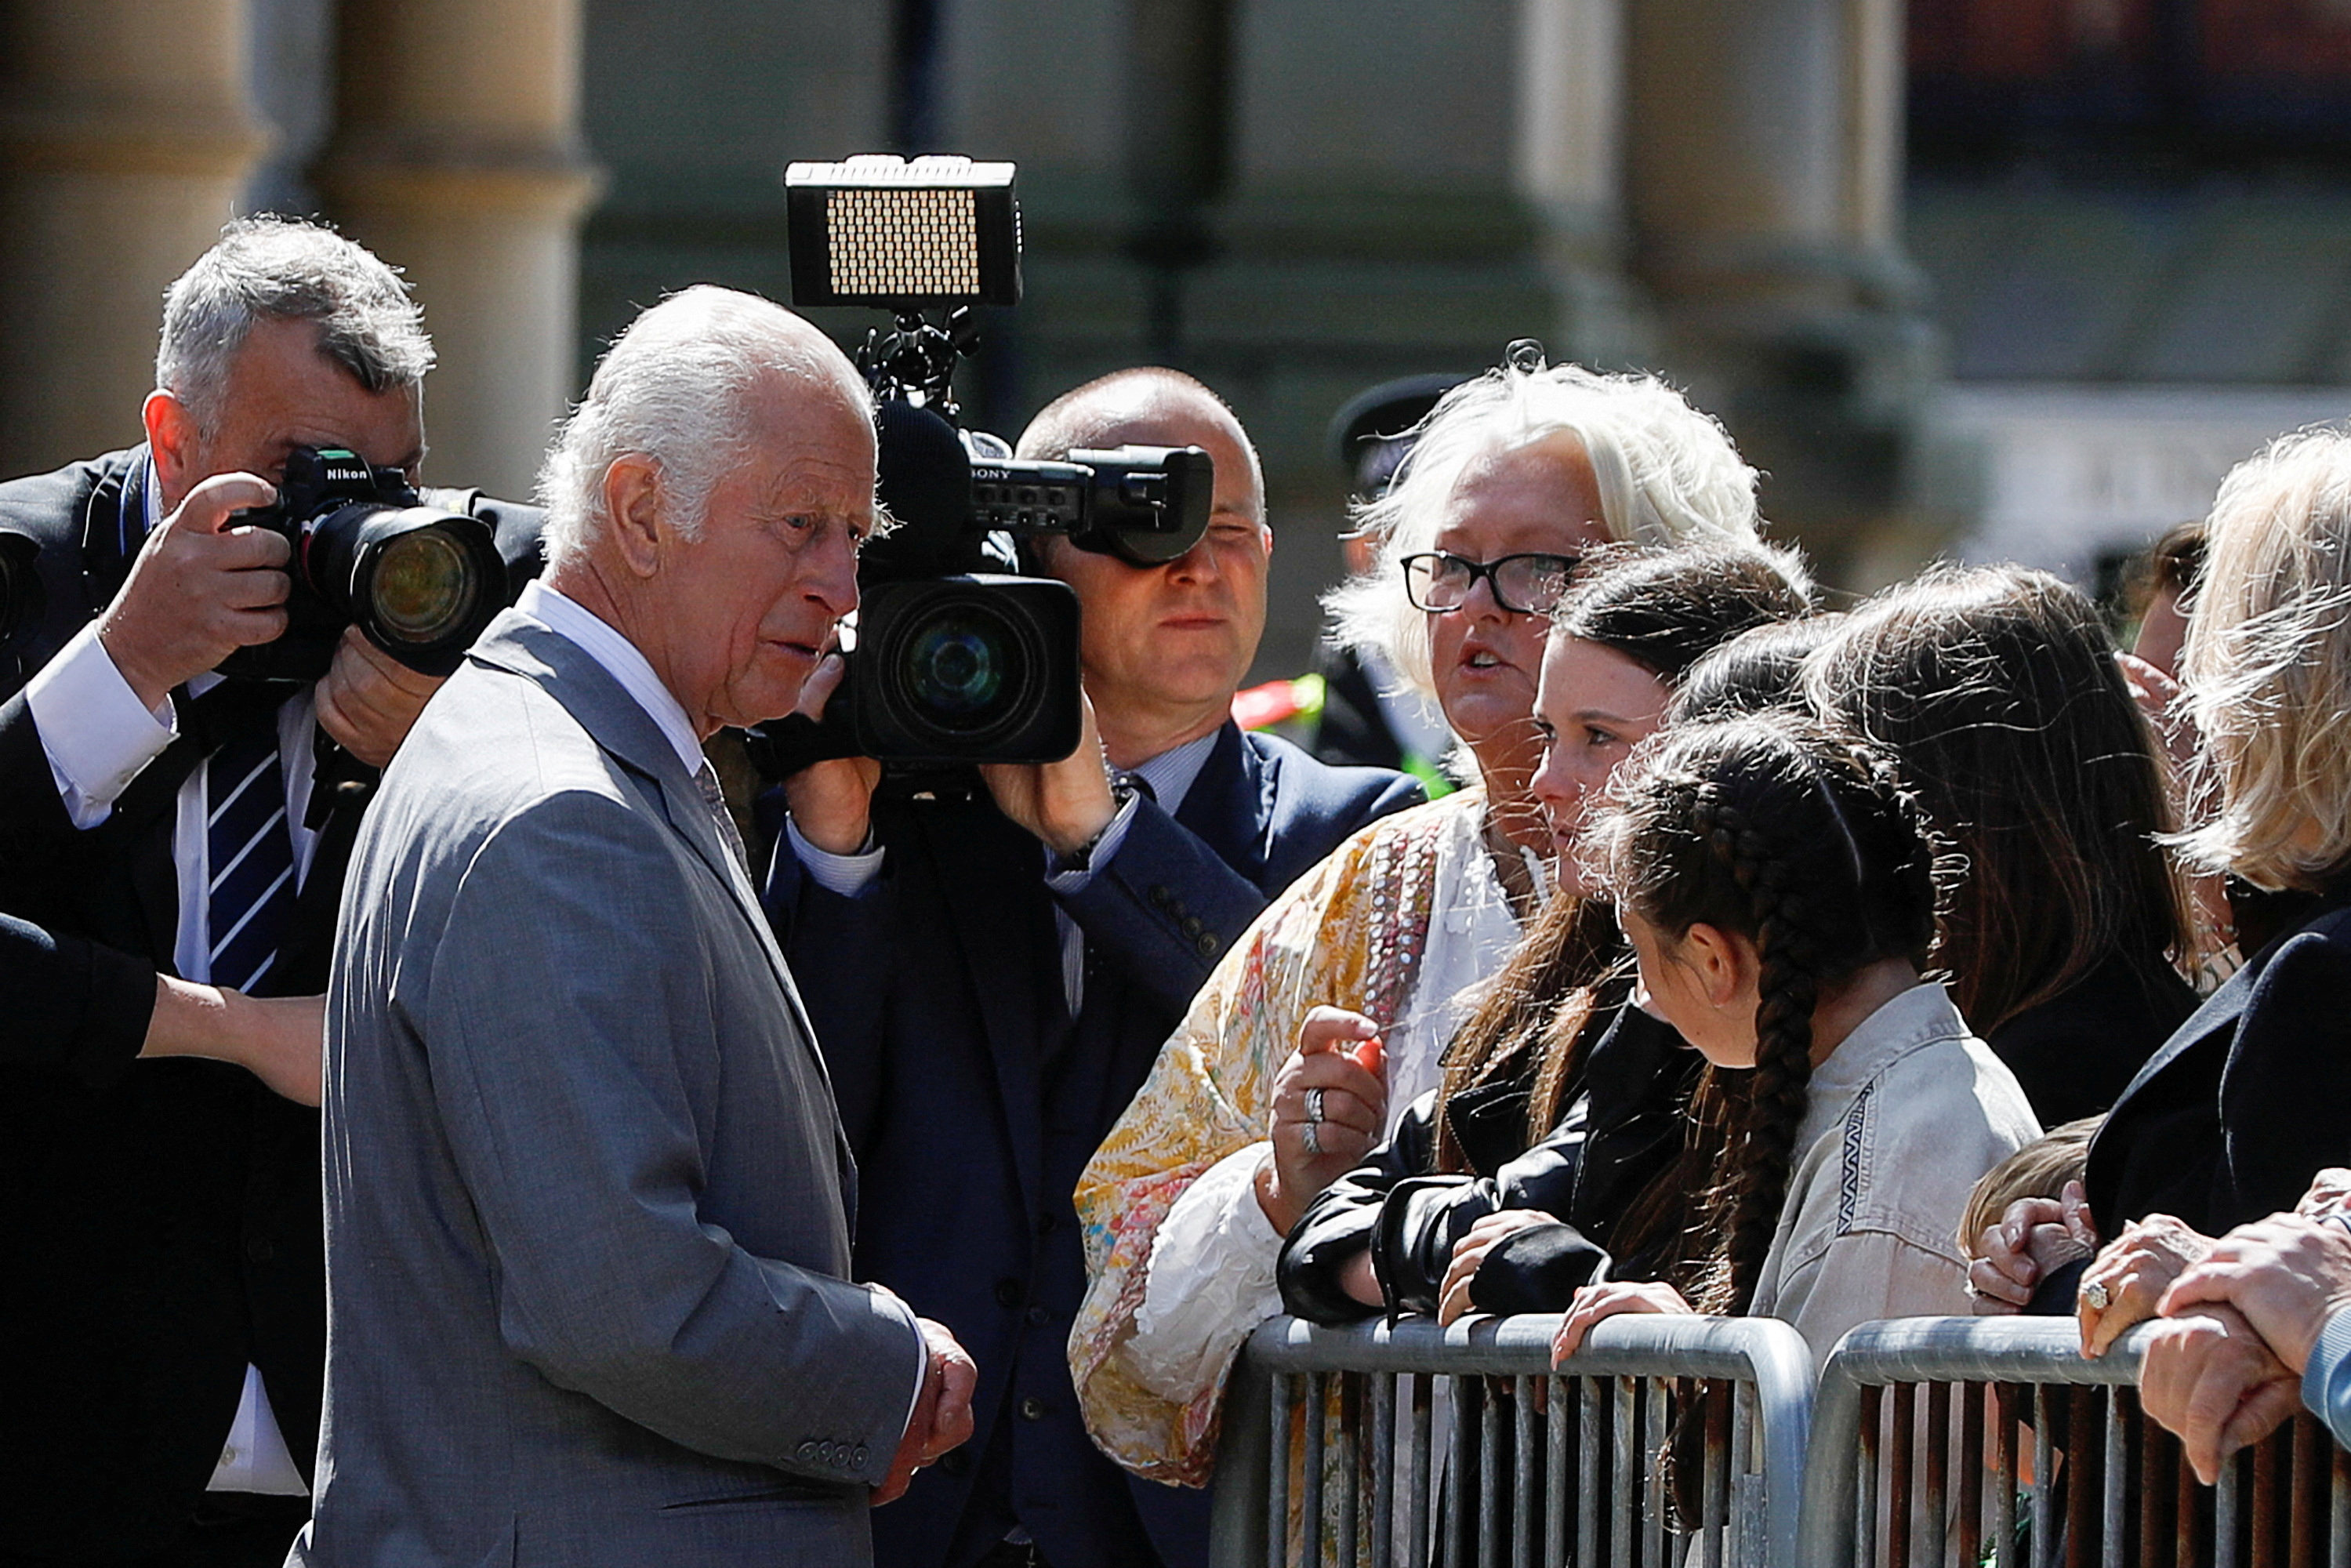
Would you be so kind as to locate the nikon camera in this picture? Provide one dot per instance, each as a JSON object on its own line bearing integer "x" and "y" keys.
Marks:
{"x": 958, "y": 656}
{"x": 419, "y": 580}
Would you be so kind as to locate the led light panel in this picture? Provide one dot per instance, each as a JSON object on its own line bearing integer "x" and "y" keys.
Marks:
{"x": 910, "y": 244}
{"x": 878, "y": 230}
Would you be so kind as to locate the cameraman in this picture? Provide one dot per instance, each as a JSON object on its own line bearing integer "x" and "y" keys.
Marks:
{"x": 165, "y": 1332}
{"x": 992, "y": 975}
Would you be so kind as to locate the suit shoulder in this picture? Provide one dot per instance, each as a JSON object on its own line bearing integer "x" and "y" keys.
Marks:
{"x": 1304, "y": 784}
{"x": 48, "y": 506}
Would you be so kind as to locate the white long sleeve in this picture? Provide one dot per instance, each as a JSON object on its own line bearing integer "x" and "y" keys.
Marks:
{"x": 1211, "y": 1279}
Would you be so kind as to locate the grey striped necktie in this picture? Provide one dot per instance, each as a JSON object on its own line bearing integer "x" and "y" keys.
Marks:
{"x": 716, "y": 799}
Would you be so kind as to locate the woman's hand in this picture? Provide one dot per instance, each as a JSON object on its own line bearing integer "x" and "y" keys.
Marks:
{"x": 2121, "y": 1289}
{"x": 1329, "y": 1101}
{"x": 1595, "y": 1302}
{"x": 1453, "y": 1300}
{"x": 2035, "y": 1236}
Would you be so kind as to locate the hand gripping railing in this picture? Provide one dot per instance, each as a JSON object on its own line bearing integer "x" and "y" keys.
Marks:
{"x": 1925, "y": 1431}
{"x": 1665, "y": 1441}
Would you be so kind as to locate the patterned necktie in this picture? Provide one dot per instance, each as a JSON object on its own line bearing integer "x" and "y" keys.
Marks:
{"x": 716, "y": 799}
{"x": 249, "y": 857}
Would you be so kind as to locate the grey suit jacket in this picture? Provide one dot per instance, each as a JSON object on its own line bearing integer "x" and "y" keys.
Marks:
{"x": 588, "y": 1201}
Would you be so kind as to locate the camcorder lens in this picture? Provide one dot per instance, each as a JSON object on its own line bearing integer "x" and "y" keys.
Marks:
{"x": 964, "y": 668}
{"x": 423, "y": 588}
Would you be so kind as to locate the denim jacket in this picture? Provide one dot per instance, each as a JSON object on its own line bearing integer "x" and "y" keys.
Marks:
{"x": 1904, "y": 1115}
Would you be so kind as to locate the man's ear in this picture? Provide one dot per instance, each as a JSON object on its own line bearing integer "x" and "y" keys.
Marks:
{"x": 634, "y": 501}
{"x": 1726, "y": 966}
{"x": 175, "y": 441}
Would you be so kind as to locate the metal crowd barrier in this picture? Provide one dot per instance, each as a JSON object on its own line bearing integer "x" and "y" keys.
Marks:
{"x": 1963, "y": 1442}
{"x": 1668, "y": 1442}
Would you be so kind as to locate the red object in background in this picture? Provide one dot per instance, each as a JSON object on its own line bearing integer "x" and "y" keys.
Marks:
{"x": 1256, "y": 707}
{"x": 2023, "y": 41}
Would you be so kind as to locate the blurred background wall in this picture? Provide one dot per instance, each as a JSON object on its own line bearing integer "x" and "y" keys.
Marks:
{"x": 1989, "y": 277}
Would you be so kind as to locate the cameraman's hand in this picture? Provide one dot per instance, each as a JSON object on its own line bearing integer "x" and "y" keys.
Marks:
{"x": 368, "y": 699}
{"x": 832, "y": 802}
{"x": 1067, "y": 803}
{"x": 200, "y": 588}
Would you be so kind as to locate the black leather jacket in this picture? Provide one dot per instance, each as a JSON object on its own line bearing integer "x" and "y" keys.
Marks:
{"x": 1623, "y": 1124}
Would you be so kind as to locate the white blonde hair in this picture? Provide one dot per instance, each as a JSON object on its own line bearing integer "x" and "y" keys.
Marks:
{"x": 1666, "y": 474}
{"x": 2267, "y": 667}
{"x": 674, "y": 387}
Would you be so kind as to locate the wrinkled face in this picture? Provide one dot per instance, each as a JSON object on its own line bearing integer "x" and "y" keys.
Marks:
{"x": 1539, "y": 498}
{"x": 1671, "y": 988}
{"x": 283, "y": 393}
{"x": 1179, "y": 635}
{"x": 1593, "y": 705}
{"x": 775, "y": 567}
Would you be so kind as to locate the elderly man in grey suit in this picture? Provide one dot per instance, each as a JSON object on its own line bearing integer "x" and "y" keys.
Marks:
{"x": 588, "y": 1201}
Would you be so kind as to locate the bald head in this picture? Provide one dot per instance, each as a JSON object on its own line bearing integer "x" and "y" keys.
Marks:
{"x": 675, "y": 387}
{"x": 1142, "y": 407}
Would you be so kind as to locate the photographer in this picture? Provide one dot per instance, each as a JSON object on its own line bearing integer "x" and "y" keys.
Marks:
{"x": 165, "y": 1341}
{"x": 992, "y": 973}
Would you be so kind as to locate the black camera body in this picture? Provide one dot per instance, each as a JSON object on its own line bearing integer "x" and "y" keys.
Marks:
{"x": 958, "y": 657}
{"x": 419, "y": 580}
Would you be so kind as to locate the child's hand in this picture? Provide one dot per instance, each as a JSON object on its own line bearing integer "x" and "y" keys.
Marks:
{"x": 1595, "y": 1302}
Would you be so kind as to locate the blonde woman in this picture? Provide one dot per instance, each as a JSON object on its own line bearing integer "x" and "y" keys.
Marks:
{"x": 2249, "y": 1099}
{"x": 1269, "y": 1091}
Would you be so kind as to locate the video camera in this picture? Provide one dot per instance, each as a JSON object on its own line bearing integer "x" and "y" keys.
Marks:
{"x": 958, "y": 658}
{"x": 420, "y": 580}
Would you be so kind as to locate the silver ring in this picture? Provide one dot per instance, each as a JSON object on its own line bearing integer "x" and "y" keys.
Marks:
{"x": 2095, "y": 1293}
{"x": 1308, "y": 1141}
{"x": 1315, "y": 1105}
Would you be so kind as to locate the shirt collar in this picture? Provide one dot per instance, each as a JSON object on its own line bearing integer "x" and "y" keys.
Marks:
{"x": 1170, "y": 774}
{"x": 1919, "y": 1016}
{"x": 619, "y": 659}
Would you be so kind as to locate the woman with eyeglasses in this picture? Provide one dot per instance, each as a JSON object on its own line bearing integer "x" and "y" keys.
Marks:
{"x": 1330, "y": 1014}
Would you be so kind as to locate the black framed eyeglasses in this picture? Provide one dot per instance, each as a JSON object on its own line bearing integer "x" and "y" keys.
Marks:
{"x": 1529, "y": 584}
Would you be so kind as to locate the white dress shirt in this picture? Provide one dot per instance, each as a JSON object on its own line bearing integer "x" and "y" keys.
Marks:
{"x": 97, "y": 737}
{"x": 621, "y": 659}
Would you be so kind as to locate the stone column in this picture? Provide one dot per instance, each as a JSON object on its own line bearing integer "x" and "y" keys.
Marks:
{"x": 458, "y": 157}
{"x": 125, "y": 140}
{"x": 1567, "y": 164}
{"x": 1762, "y": 185}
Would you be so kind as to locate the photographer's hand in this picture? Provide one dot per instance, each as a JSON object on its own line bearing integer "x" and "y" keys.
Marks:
{"x": 200, "y": 588}
{"x": 832, "y": 802}
{"x": 367, "y": 700}
{"x": 1067, "y": 803}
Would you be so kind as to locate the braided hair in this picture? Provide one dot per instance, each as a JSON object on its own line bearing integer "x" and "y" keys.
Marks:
{"x": 1803, "y": 840}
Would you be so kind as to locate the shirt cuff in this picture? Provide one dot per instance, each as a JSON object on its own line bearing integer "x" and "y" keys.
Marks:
{"x": 2327, "y": 1356}
{"x": 1074, "y": 879}
{"x": 847, "y": 875}
{"x": 95, "y": 732}
{"x": 922, "y": 1375}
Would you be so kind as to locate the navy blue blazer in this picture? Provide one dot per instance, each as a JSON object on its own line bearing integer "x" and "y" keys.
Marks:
{"x": 973, "y": 1100}
{"x": 2247, "y": 1101}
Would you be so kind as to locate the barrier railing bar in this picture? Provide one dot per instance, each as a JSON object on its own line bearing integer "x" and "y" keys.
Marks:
{"x": 1383, "y": 1447}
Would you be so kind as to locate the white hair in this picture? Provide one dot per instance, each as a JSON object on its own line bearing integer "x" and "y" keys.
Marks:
{"x": 288, "y": 270}
{"x": 1666, "y": 474}
{"x": 674, "y": 388}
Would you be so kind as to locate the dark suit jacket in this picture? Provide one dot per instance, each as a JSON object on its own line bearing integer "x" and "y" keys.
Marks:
{"x": 73, "y": 1007}
{"x": 166, "y": 1225}
{"x": 2247, "y": 1101}
{"x": 973, "y": 1100}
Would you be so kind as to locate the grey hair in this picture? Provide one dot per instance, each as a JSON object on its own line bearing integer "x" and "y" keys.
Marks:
{"x": 673, "y": 387}
{"x": 288, "y": 270}
{"x": 1666, "y": 474}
